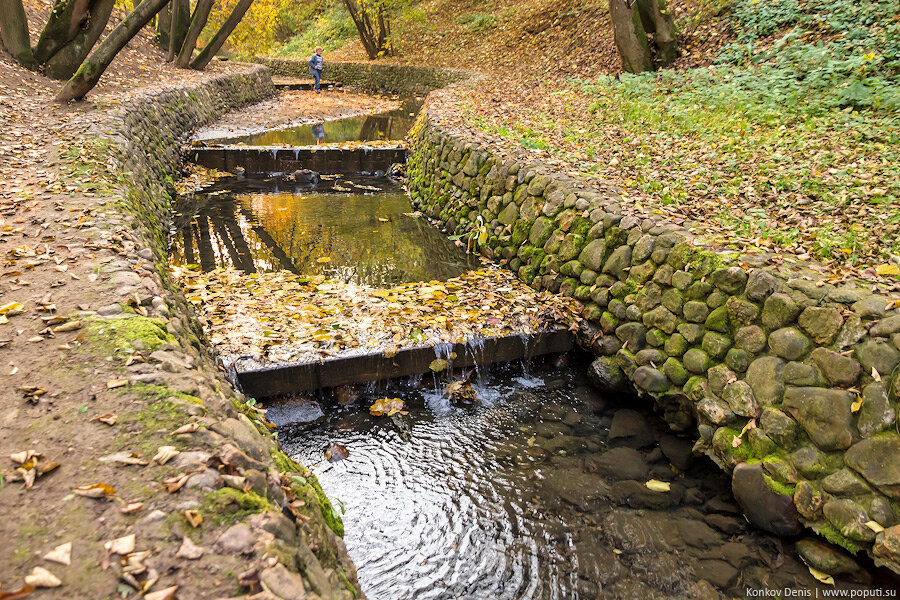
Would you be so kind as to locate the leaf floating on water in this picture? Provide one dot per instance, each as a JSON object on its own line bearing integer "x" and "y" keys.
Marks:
{"x": 62, "y": 554}
{"x": 388, "y": 406}
{"x": 655, "y": 485}
{"x": 823, "y": 577}
{"x": 438, "y": 365}
{"x": 42, "y": 578}
{"x": 98, "y": 490}
{"x": 336, "y": 452}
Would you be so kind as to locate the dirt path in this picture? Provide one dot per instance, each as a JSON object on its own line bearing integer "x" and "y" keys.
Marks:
{"x": 112, "y": 424}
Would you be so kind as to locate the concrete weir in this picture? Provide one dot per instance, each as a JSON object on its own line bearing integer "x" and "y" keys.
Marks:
{"x": 260, "y": 159}
{"x": 288, "y": 378}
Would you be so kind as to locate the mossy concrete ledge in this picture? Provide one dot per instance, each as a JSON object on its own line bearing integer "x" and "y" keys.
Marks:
{"x": 266, "y": 519}
{"x": 773, "y": 367}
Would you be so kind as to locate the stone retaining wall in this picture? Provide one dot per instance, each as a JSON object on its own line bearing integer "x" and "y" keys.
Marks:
{"x": 290, "y": 532}
{"x": 372, "y": 77}
{"x": 791, "y": 381}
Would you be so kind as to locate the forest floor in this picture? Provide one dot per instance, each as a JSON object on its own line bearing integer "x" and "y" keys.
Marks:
{"x": 93, "y": 388}
{"x": 730, "y": 146}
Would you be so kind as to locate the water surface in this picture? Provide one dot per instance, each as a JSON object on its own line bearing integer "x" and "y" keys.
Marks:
{"x": 360, "y": 231}
{"x": 387, "y": 126}
{"x": 537, "y": 491}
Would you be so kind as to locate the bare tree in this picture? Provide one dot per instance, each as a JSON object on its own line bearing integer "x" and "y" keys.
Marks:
{"x": 632, "y": 21}
{"x": 198, "y": 22}
{"x": 14, "y": 32}
{"x": 371, "y": 20}
{"x": 88, "y": 74}
{"x": 215, "y": 44}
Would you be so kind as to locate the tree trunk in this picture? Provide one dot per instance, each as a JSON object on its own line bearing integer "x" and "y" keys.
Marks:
{"x": 364, "y": 27}
{"x": 181, "y": 20}
{"x": 658, "y": 21}
{"x": 215, "y": 44}
{"x": 164, "y": 26}
{"x": 62, "y": 26}
{"x": 89, "y": 72}
{"x": 66, "y": 61}
{"x": 630, "y": 37}
{"x": 14, "y": 32}
{"x": 198, "y": 22}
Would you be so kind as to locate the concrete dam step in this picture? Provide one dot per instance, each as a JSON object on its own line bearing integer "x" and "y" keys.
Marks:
{"x": 328, "y": 160}
{"x": 288, "y": 378}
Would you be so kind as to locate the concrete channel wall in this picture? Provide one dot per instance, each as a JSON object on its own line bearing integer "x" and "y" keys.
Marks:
{"x": 792, "y": 382}
{"x": 145, "y": 137}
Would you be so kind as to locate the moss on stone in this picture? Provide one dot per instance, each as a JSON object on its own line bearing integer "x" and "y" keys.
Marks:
{"x": 227, "y": 506}
{"x": 109, "y": 336}
{"x": 827, "y": 531}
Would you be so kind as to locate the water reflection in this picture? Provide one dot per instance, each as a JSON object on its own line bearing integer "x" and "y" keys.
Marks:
{"x": 392, "y": 125}
{"x": 360, "y": 231}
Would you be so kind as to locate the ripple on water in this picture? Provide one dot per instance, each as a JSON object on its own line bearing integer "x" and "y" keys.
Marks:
{"x": 502, "y": 501}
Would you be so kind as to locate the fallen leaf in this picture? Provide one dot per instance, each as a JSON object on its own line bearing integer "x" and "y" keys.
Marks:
{"x": 193, "y": 517}
{"x": 189, "y": 550}
{"x": 108, "y": 418}
{"x": 173, "y": 484}
{"x": 856, "y": 404}
{"x": 23, "y": 456}
{"x": 123, "y": 545}
{"x": 98, "y": 490}
{"x": 658, "y": 486}
{"x": 874, "y": 526}
{"x": 336, "y": 452}
{"x": 42, "y": 578}
{"x": 65, "y": 327}
{"x": 387, "y": 406}
{"x": 116, "y": 383}
{"x": 189, "y": 428}
{"x": 62, "y": 554}
{"x": 823, "y": 577}
{"x": 12, "y": 307}
{"x": 132, "y": 507}
{"x": 22, "y": 592}
{"x": 165, "y": 454}
{"x": 166, "y": 594}
{"x": 875, "y": 374}
{"x": 438, "y": 365}
{"x": 125, "y": 458}
{"x": 885, "y": 269}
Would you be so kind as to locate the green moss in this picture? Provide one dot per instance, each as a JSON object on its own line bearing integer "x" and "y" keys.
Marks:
{"x": 778, "y": 487}
{"x": 110, "y": 336}
{"x": 704, "y": 263}
{"x": 581, "y": 226}
{"x": 827, "y": 531}
{"x": 228, "y": 506}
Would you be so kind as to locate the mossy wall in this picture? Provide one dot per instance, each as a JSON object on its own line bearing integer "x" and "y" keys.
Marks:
{"x": 140, "y": 144}
{"x": 772, "y": 363}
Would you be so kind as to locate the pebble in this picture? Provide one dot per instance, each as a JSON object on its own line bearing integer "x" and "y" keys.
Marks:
{"x": 237, "y": 539}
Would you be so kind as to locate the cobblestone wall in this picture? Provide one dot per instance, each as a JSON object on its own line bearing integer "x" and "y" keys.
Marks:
{"x": 792, "y": 382}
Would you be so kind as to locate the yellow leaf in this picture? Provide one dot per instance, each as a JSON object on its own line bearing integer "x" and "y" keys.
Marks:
{"x": 857, "y": 404}
{"x": 12, "y": 306}
{"x": 823, "y": 577}
{"x": 116, "y": 383}
{"x": 98, "y": 490}
{"x": 874, "y": 526}
{"x": 885, "y": 269}
{"x": 387, "y": 406}
{"x": 658, "y": 486}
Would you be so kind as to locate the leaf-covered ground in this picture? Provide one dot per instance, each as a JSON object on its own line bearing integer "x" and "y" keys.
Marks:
{"x": 280, "y": 317}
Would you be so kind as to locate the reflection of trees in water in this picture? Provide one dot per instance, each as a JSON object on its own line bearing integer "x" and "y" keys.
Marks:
{"x": 388, "y": 126}
{"x": 365, "y": 238}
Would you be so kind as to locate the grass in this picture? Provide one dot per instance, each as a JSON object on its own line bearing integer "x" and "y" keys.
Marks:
{"x": 790, "y": 143}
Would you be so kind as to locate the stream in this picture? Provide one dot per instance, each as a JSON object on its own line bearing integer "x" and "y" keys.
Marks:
{"x": 542, "y": 488}
{"x": 538, "y": 490}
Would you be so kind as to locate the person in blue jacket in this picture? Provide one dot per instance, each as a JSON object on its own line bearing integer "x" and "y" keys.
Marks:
{"x": 315, "y": 66}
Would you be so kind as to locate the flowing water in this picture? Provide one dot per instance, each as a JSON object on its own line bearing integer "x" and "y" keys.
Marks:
{"x": 386, "y": 126}
{"x": 538, "y": 490}
{"x": 361, "y": 231}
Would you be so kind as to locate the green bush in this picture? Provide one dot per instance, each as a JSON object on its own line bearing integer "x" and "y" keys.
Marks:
{"x": 331, "y": 29}
{"x": 477, "y": 21}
